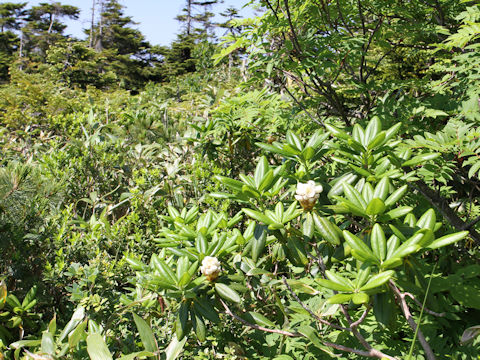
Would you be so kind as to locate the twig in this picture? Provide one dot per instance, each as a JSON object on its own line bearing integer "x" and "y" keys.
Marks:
{"x": 315, "y": 316}
{"x": 362, "y": 317}
{"x": 406, "y": 311}
{"x": 257, "y": 327}
{"x": 369, "y": 353}
{"x": 442, "y": 206}
{"x": 319, "y": 122}
{"x": 469, "y": 225}
{"x": 424, "y": 309}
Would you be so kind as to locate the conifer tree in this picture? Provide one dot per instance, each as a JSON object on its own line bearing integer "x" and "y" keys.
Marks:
{"x": 44, "y": 26}
{"x": 11, "y": 15}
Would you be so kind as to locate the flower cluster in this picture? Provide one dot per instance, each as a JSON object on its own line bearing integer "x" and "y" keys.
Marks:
{"x": 210, "y": 268}
{"x": 307, "y": 194}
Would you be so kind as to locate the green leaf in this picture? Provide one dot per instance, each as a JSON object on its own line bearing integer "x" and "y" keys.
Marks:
{"x": 427, "y": 220}
{"x": 250, "y": 191}
{"x": 367, "y": 192}
{"x": 311, "y": 334}
{"x": 392, "y": 245}
{"x": 337, "y": 132}
{"x": 308, "y": 153}
{"x": 266, "y": 181}
{"x": 308, "y": 225}
{"x": 78, "y": 334}
{"x": 199, "y": 326}
{"x": 258, "y": 216}
{"x": 48, "y": 344}
{"x": 340, "y": 298}
{"x": 259, "y": 319}
{"x": 340, "y": 280}
{"x": 175, "y": 348}
{"x": 227, "y": 293}
{"x": 201, "y": 245}
{"x": 260, "y": 171}
{"x": 138, "y": 354}
{"x": 360, "y": 170}
{"x": 301, "y": 287}
{"x": 294, "y": 140}
{"x": 360, "y": 298}
{"x": 377, "y": 140}
{"x": 134, "y": 263}
{"x": 29, "y": 297}
{"x": 163, "y": 269}
{"x": 384, "y": 308}
{"x": 181, "y": 322}
{"x": 76, "y": 319}
{"x": 97, "y": 349}
{"x": 382, "y": 189}
{"x": 447, "y": 240}
{"x": 378, "y": 241}
{"x": 378, "y": 280}
{"x": 329, "y": 284}
{"x": 204, "y": 308}
{"x": 420, "y": 159}
{"x": 396, "y": 213}
{"x": 354, "y": 196}
{"x": 475, "y": 167}
{"x": 146, "y": 334}
{"x": 357, "y": 244}
{"x": 258, "y": 241}
{"x": 358, "y": 135}
{"x": 390, "y": 133}
{"x": 396, "y": 195}
{"x": 375, "y": 207}
{"x": 373, "y": 129}
{"x": 327, "y": 229}
{"x": 337, "y": 184}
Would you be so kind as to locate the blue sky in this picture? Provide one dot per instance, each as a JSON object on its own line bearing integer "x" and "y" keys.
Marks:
{"x": 156, "y": 18}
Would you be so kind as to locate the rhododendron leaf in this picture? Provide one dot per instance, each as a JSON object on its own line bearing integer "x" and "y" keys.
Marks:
{"x": 375, "y": 207}
{"x": 378, "y": 280}
{"x": 360, "y": 298}
{"x": 382, "y": 189}
{"x": 340, "y": 298}
{"x": 257, "y": 216}
{"x": 448, "y": 239}
{"x": 227, "y": 293}
{"x": 327, "y": 229}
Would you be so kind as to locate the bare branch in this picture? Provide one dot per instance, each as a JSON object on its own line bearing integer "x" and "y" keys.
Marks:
{"x": 315, "y": 316}
{"x": 424, "y": 309}
{"x": 257, "y": 327}
{"x": 406, "y": 311}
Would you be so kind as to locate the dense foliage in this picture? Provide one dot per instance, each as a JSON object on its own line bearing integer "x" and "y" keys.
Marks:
{"x": 307, "y": 188}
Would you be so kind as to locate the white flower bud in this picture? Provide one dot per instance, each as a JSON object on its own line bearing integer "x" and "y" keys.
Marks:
{"x": 307, "y": 194}
{"x": 210, "y": 267}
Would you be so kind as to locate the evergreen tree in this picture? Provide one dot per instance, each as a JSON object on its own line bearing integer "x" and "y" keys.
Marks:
{"x": 127, "y": 53}
{"x": 44, "y": 27}
{"x": 10, "y": 19}
{"x": 196, "y": 19}
{"x": 10, "y": 15}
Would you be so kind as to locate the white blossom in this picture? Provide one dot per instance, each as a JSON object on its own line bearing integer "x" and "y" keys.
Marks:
{"x": 210, "y": 267}
{"x": 308, "y": 193}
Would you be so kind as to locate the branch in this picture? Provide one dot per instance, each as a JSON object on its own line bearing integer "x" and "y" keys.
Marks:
{"x": 319, "y": 122}
{"x": 315, "y": 316}
{"x": 442, "y": 206}
{"x": 406, "y": 311}
{"x": 469, "y": 225}
{"x": 362, "y": 317}
{"x": 370, "y": 353}
{"x": 424, "y": 308}
{"x": 257, "y": 327}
